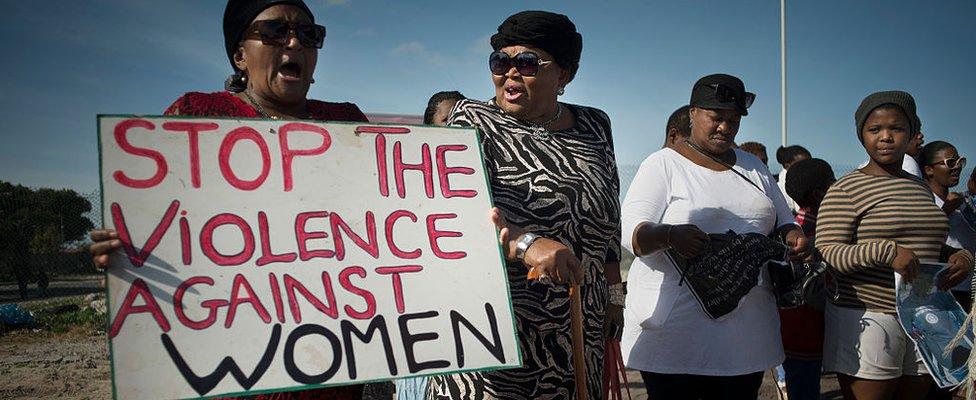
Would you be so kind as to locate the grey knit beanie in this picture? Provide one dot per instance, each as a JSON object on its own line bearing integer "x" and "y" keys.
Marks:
{"x": 902, "y": 100}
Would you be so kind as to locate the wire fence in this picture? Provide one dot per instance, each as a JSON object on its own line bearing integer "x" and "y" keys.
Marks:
{"x": 44, "y": 233}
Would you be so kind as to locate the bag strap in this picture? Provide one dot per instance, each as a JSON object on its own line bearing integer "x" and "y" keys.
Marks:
{"x": 726, "y": 165}
{"x": 731, "y": 168}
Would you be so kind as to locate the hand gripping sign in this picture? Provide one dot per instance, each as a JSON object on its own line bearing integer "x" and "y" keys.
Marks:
{"x": 263, "y": 256}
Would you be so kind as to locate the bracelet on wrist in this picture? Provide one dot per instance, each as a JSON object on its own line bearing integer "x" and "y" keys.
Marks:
{"x": 522, "y": 244}
{"x": 617, "y": 294}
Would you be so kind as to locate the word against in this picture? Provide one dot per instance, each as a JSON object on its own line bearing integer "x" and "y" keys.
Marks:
{"x": 263, "y": 256}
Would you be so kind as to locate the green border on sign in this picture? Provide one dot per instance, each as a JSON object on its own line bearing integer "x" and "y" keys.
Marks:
{"x": 108, "y": 299}
{"x": 504, "y": 269}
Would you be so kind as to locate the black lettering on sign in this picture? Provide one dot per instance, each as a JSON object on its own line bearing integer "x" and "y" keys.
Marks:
{"x": 377, "y": 325}
{"x": 297, "y": 374}
{"x": 727, "y": 270}
{"x": 494, "y": 346}
{"x": 204, "y": 384}
{"x": 409, "y": 339}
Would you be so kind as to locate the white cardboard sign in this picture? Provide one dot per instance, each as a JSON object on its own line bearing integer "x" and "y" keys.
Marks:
{"x": 265, "y": 256}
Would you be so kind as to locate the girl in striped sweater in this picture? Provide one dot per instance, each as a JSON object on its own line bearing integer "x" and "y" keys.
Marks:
{"x": 875, "y": 221}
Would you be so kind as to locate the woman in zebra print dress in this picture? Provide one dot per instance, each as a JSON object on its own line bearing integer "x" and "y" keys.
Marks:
{"x": 554, "y": 179}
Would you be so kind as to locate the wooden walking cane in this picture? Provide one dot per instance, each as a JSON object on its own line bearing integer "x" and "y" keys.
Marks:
{"x": 576, "y": 325}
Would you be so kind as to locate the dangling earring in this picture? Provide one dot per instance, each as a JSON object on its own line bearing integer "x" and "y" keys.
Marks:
{"x": 236, "y": 83}
{"x": 561, "y": 92}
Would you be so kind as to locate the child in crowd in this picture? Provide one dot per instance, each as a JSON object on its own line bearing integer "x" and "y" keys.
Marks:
{"x": 802, "y": 327}
{"x": 874, "y": 222}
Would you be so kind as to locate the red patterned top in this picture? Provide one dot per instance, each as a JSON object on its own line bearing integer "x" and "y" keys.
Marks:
{"x": 225, "y": 104}
{"x": 802, "y": 328}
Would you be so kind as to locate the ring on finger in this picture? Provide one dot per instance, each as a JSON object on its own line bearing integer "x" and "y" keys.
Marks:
{"x": 545, "y": 279}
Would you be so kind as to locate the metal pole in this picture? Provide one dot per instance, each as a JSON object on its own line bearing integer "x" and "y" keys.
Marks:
{"x": 782, "y": 64}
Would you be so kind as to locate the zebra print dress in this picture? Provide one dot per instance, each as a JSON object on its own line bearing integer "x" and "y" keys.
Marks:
{"x": 562, "y": 185}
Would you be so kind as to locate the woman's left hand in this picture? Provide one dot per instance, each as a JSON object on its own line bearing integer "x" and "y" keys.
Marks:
{"x": 800, "y": 248}
{"x": 952, "y": 202}
{"x": 960, "y": 265}
{"x": 507, "y": 233}
{"x": 613, "y": 322}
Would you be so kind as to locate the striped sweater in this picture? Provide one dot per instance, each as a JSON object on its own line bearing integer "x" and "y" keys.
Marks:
{"x": 862, "y": 219}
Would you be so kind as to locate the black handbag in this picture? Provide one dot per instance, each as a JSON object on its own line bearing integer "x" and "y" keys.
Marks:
{"x": 727, "y": 270}
{"x": 799, "y": 283}
{"x": 794, "y": 283}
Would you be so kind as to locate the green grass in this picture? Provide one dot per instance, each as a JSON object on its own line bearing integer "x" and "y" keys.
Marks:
{"x": 83, "y": 319}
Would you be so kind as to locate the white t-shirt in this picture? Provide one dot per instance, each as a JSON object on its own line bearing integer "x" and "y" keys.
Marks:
{"x": 782, "y": 188}
{"x": 665, "y": 329}
{"x": 961, "y": 236}
{"x": 908, "y": 164}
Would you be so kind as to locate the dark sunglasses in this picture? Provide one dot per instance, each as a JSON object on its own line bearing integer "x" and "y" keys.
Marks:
{"x": 726, "y": 94}
{"x": 952, "y": 163}
{"x": 275, "y": 33}
{"x": 526, "y": 63}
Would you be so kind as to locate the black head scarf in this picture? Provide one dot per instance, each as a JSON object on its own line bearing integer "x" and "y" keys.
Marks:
{"x": 551, "y": 32}
{"x": 240, "y": 13}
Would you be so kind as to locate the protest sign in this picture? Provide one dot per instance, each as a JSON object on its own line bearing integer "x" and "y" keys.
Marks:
{"x": 931, "y": 318}
{"x": 263, "y": 256}
{"x": 727, "y": 270}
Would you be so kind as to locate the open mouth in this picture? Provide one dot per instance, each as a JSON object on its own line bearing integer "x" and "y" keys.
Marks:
{"x": 513, "y": 92}
{"x": 290, "y": 70}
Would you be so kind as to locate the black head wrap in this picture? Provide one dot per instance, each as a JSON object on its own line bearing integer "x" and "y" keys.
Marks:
{"x": 240, "y": 13}
{"x": 551, "y": 32}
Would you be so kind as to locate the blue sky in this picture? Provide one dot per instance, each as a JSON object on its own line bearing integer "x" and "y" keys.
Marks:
{"x": 68, "y": 61}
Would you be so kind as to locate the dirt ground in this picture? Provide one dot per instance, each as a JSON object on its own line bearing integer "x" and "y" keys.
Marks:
{"x": 37, "y": 364}
{"x": 42, "y": 365}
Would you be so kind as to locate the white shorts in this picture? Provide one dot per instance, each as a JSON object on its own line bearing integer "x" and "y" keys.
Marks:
{"x": 868, "y": 345}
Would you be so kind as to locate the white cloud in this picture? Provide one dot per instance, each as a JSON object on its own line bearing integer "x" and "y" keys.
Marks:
{"x": 481, "y": 46}
{"x": 413, "y": 47}
{"x": 418, "y": 51}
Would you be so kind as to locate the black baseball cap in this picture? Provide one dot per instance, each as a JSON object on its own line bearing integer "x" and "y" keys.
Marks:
{"x": 721, "y": 92}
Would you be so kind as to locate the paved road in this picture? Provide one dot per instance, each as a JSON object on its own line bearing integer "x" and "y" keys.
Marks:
{"x": 75, "y": 285}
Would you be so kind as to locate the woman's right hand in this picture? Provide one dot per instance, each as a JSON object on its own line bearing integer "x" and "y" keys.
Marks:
{"x": 552, "y": 258}
{"x": 544, "y": 257}
{"x": 106, "y": 242}
{"x": 905, "y": 263}
{"x": 687, "y": 240}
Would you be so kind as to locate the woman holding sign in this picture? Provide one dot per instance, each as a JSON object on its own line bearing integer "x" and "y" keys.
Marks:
{"x": 272, "y": 46}
{"x": 680, "y": 195}
{"x": 554, "y": 180}
{"x": 874, "y": 222}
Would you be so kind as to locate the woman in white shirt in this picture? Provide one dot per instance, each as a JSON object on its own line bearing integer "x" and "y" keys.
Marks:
{"x": 942, "y": 167}
{"x": 677, "y": 197}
